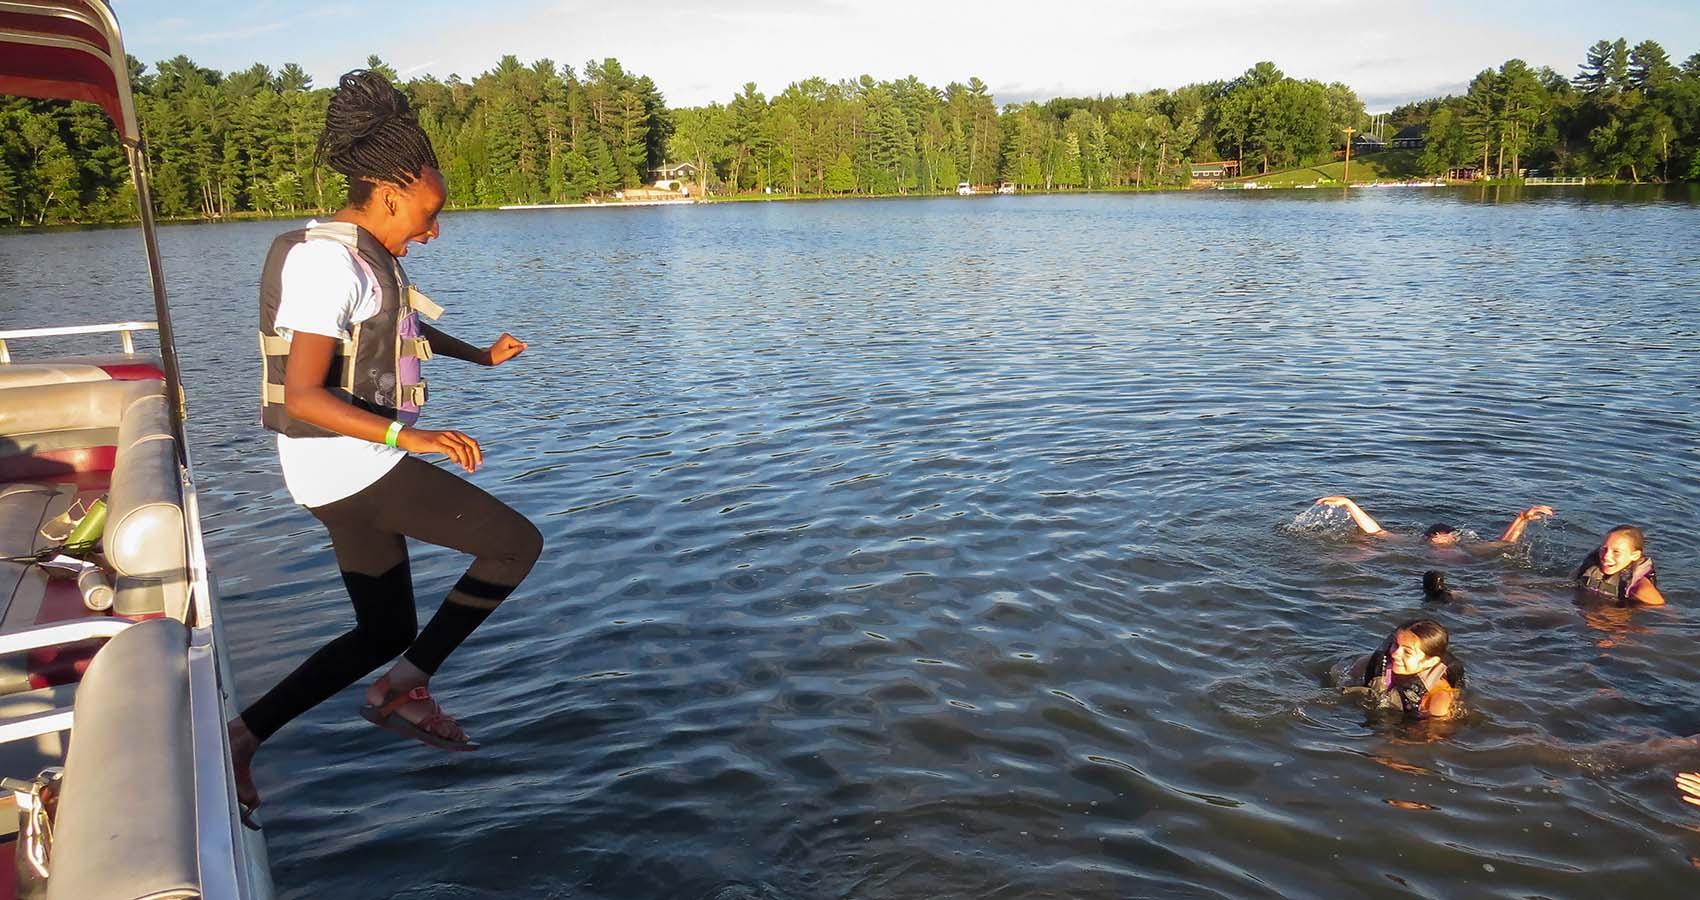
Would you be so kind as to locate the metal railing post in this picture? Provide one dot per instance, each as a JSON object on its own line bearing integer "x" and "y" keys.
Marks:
{"x": 162, "y": 313}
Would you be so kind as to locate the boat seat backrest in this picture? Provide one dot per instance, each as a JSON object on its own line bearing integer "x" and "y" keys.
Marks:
{"x": 145, "y": 540}
{"x": 126, "y": 826}
{"x": 14, "y": 375}
{"x": 75, "y": 406}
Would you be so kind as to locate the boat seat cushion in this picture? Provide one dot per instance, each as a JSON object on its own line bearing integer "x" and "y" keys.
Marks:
{"x": 126, "y": 824}
{"x": 24, "y": 507}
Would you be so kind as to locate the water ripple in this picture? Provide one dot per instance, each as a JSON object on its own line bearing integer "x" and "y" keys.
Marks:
{"x": 960, "y": 549}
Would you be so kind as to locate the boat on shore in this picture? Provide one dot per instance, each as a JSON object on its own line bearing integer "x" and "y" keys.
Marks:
{"x": 115, "y": 686}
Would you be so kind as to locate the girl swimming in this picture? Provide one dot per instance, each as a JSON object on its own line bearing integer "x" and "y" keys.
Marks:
{"x": 1442, "y": 534}
{"x": 1621, "y": 569}
{"x": 1414, "y": 671}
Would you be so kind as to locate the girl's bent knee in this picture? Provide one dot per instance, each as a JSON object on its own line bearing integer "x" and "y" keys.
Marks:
{"x": 530, "y": 547}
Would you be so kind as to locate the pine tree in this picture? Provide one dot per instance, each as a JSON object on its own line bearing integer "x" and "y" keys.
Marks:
{"x": 840, "y": 176}
{"x": 1068, "y": 162}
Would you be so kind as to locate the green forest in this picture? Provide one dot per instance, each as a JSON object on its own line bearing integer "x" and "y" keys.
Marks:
{"x": 224, "y": 144}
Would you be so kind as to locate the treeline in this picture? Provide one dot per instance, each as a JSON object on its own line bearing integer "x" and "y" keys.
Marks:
{"x": 896, "y": 137}
{"x": 1629, "y": 113}
{"x": 243, "y": 142}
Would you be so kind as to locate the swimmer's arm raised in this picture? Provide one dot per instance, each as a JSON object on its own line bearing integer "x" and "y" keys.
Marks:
{"x": 1689, "y": 784}
{"x": 1514, "y": 531}
{"x": 1363, "y": 520}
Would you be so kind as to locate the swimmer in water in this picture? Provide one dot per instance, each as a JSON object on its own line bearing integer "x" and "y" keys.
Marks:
{"x": 1435, "y": 589}
{"x": 1621, "y": 569}
{"x": 1441, "y": 534}
{"x": 1414, "y": 671}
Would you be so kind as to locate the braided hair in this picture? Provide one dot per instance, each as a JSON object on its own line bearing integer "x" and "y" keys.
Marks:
{"x": 372, "y": 135}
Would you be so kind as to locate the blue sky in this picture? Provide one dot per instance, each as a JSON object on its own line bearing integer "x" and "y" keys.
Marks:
{"x": 705, "y": 50}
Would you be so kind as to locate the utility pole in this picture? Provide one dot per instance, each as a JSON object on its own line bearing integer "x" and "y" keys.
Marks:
{"x": 1346, "y": 174}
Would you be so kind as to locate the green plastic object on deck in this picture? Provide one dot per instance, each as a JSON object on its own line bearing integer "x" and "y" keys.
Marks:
{"x": 89, "y": 529}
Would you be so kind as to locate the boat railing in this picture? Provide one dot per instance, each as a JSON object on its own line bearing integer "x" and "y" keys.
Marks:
{"x": 125, "y": 330}
{"x": 42, "y": 637}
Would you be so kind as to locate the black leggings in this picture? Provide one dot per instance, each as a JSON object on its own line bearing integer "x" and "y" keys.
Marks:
{"x": 369, "y": 532}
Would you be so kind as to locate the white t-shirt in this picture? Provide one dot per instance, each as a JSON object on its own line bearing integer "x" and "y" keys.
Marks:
{"x": 325, "y": 291}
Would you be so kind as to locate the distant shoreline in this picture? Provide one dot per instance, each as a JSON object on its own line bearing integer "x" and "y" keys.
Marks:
{"x": 1235, "y": 186}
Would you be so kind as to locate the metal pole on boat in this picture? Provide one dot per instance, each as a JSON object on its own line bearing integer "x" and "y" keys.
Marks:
{"x": 162, "y": 313}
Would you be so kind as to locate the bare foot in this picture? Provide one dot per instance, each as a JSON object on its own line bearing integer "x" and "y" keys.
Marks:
{"x": 243, "y": 746}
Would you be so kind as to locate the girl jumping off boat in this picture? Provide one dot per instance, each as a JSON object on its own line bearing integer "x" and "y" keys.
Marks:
{"x": 342, "y": 341}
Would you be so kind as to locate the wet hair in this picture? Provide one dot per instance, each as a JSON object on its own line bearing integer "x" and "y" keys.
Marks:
{"x": 1431, "y": 636}
{"x": 371, "y": 135}
{"x": 1434, "y": 587}
{"x": 1637, "y": 538}
{"x": 1438, "y": 529}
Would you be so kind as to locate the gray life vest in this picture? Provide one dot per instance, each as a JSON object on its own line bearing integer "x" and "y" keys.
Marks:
{"x": 1406, "y": 692}
{"x": 377, "y": 369}
{"x": 1592, "y": 577}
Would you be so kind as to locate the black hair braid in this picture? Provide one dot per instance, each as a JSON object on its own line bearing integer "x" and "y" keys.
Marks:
{"x": 372, "y": 135}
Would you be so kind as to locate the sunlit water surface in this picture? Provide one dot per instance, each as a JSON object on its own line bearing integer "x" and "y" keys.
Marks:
{"x": 957, "y": 548}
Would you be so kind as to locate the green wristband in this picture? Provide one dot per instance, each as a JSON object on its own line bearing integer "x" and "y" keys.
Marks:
{"x": 393, "y": 433}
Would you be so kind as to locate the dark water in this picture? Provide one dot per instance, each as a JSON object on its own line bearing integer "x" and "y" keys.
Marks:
{"x": 953, "y": 548}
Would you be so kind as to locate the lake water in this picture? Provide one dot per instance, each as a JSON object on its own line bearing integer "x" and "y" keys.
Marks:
{"x": 958, "y": 547}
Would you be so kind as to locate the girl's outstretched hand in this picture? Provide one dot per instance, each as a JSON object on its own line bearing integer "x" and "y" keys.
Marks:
{"x": 1336, "y": 501}
{"x": 456, "y": 446}
{"x": 505, "y": 348}
{"x": 1536, "y": 513}
{"x": 1689, "y": 784}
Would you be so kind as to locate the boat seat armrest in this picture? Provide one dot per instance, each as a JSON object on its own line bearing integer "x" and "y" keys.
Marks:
{"x": 126, "y": 825}
{"x": 145, "y": 535}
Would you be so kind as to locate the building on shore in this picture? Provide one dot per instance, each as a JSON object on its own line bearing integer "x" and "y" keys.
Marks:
{"x": 675, "y": 172}
{"x": 1411, "y": 137}
{"x": 1216, "y": 170}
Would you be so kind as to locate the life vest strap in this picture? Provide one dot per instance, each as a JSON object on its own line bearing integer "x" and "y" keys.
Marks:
{"x": 419, "y": 348}
{"x": 422, "y": 304}
{"x": 274, "y": 393}
{"x": 415, "y": 394}
{"x": 274, "y": 345}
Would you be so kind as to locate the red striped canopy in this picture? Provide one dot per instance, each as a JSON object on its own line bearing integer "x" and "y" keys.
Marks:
{"x": 67, "y": 50}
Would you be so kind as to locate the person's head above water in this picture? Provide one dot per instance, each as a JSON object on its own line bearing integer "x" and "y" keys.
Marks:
{"x": 1417, "y": 646}
{"x": 1441, "y": 534}
{"x": 372, "y": 136}
{"x": 1621, "y": 548}
{"x": 1434, "y": 587}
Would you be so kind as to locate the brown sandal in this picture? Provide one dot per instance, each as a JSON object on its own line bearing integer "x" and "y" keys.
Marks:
{"x": 383, "y": 715}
